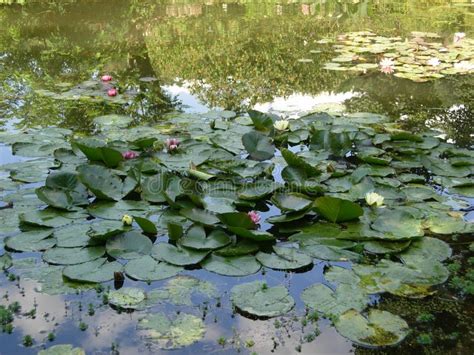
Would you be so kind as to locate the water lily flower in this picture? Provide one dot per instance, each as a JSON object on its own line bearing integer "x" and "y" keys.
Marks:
{"x": 387, "y": 66}
{"x": 106, "y": 78}
{"x": 172, "y": 144}
{"x": 464, "y": 65}
{"x": 112, "y": 92}
{"x": 127, "y": 220}
{"x": 458, "y": 36}
{"x": 281, "y": 125}
{"x": 373, "y": 198}
{"x": 434, "y": 62}
{"x": 129, "y": 155}
{"x": 254, "y": 216}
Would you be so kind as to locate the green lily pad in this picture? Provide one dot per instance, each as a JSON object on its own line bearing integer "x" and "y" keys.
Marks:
{"x": 236, "y": 219}
{"x": 104, "y": 183}
{"x": 337, "y": 210}
{"x": 426, "y": 248}
{"x": 71, "y": 236}
{"x": 129, "y": 245}
{"x": 103, "y": 230}
{"x": 147, "y": 268}
{"x": 167, "y": 333}
{"x": 72, "y": 256}
{"x": 291, "y": 201}
{"x": 126, "y": 297}
{"x": 284, "y": 259}
{"x": 231, "y": 265}
{"x": 334, "y": 303}
{"x": 179, "y": 256}
{"x": 397, "y": 224}
{"x": 179, "y": 290}
{"x": 196, "y": 239}
{"x": 258, "y": 145}
{"x": 380, "y": 328}
{"x": 99, "y": 270}
{"x": 258, "y": 236}
{"x": 241, "y": 247}
{"x": 62, "y": 349}
{"x": 200, "y": 216}
{"x": 257, "y": 299}
{"x": 31, "y": 241}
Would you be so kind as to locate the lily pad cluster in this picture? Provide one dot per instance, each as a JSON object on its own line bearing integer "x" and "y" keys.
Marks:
{"x": 420, "y": 58}
{"x": 200, "y": 206}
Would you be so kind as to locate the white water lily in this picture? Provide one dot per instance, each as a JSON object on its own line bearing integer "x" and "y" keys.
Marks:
{"x": 373, "y": 198}
{"x": 458, "y": 36}
{"x": 464, "y": 65}
{"x": 387, "y": 66}
{"x": 127, "y": 220}
{"x": 281, "y": 125}
{"x": 434, "y": 62}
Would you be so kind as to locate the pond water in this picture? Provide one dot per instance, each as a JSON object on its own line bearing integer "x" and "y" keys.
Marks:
{"x": 175, "y": 63}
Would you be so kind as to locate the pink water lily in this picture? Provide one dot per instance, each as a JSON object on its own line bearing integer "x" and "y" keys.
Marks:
{"x": 112, "y": 92}
{"x": 172, "y": 144}
{"x": 106, "y": 78}
{"x": 254, "y": 216}
{"x": 387, "y": 66}
{"x": 129, "y": 155}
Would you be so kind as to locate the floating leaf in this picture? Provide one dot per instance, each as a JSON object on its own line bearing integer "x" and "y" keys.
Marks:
{"x": 147, "y": 268}
{"x": 179, "y": 256}
{"x": 284, "y": 259}
{"x": 257, "y": 299}
{"x": 31, "y": 241}
{"x": 126, "y": 297}
{"x": 337, "y": 210}
{"x": 62, "y": 349}
{"x": 175, "y": 333}
{"x": 99, "y": 270}
{"x": 231, "y": 265}
{"x": 291, "y": 201}
{"x": 198, "y": 240}
{"x": 72, "y": 256}
{"x": 130, "y": 245}
{"x": 259, "y": 146}
{"x": 334, "y": 303}
{"x": 380, "y": 328}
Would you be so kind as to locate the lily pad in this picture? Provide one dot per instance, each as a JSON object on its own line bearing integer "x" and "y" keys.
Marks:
{"x": 62, "y": 349}
{"x": 130, "y": 245}
{"x": 126, "y": 297}
{"x": 147, "y": 268}
{"x": 284, "y": 259}
{"x": 99, "y": 270}
{"x": 259, "y": 146}
{"x": 380, "y": 328}
{"x": 179, "y": 256}
{"x": 334, "y": 303}
{"x": 195, "y": 239}
{"x": 291, "y": 201}
{"x": 231, "y": 265}
{"x": 31, "y": 241}
{"x": 175, "y": 333}
{"x": 337, "y": 210}
{"x": 72, "y": 256}
{"x": 257, "y": 299}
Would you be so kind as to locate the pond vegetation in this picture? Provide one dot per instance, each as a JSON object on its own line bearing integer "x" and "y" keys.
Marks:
{"x": 132, "y": 223}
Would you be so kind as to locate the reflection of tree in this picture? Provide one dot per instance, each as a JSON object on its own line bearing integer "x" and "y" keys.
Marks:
{"x": 418, "y": 104}
{"x": 238, "y": 53}
{"x": 47, "y": 44}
